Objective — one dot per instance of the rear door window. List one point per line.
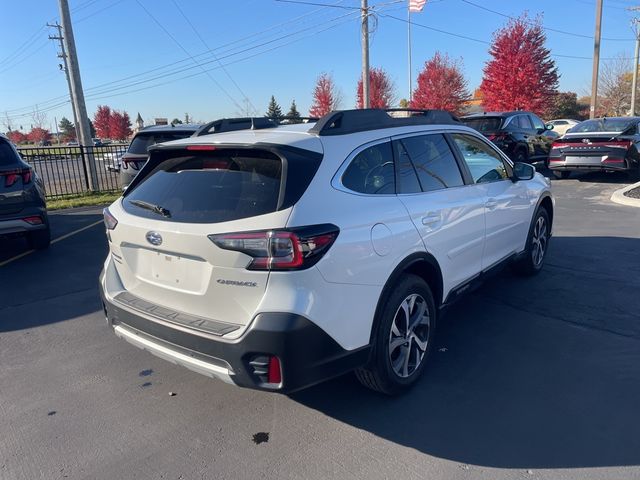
(209, 187)
(537, 123)
(434, 163)
(143, 141)
(372, 171)
(8, 156)
(524, 122)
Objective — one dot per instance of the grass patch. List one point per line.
(84, 200)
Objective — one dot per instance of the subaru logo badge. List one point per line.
(154, 238)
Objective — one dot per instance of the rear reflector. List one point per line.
(274, 371)
(614, 160)
(33, 220)
(201, 147)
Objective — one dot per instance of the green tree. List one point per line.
(67, 129)
(176, 121)
(294, 115)
(274, 110)
(564, 105)
(404, 103)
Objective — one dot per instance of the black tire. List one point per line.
(380, 374)
(531, 263)
(40, 239)
(564, 174)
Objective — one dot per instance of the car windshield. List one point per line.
(604, 125)
(143, 141)
(483, 124)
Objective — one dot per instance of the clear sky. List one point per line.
(146, 56)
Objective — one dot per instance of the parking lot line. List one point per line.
(55, 240)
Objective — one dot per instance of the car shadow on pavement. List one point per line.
(526, 373)
(56, 284)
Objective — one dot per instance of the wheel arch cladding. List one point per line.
(546, 203)
(423, 265)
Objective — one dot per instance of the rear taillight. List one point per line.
(614, 161)
(33, 220)
(291, 249)
(109, 220)
(10, 178)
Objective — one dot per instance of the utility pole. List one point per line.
(65, 68)
(634, 83)
(596, 61)
(77, 94)
(365, 54)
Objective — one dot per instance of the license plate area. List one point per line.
(170, 270)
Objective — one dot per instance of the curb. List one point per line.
(619, 197)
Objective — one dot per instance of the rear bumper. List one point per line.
(15, 223)
(307, 354)
(589, 164)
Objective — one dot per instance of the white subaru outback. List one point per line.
(280, 257)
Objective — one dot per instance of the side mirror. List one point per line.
(522, 171)
(549, 126)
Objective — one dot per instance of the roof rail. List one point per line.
(249, 123)
(343, 122)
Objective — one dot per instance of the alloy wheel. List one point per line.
(409, 335)
(539, 241)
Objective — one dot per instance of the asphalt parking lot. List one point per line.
(533, 378)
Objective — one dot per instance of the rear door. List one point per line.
(165, 256)
(448, 214)
(11, 180)
(541, 144)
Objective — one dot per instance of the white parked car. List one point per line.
(281, 257)
(561, 125)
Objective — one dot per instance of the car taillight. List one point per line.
(109, 220)
(497, 137)
(10, 178)
(134, 164)
(613, 160)
(33, 220)
(291, 249)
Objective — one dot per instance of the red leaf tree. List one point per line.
(521, 75)
(441, 85)
(16, 137)
(37, 135)
(102, 121)
(325, 96)
(381, 90)
(119, 125)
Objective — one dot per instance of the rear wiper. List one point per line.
(150, 206)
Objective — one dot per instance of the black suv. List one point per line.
(23, 209)
(521, 135)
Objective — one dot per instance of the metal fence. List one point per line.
(64, 170)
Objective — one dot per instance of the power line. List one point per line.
(545, 28)
(56, 100)
(249, 102)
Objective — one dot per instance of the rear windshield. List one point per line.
(7, 155)
(209, 187)
(484, 124)
(143, 141)
(604, 125)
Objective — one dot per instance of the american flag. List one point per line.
(416, 5)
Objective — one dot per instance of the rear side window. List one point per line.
(433, 161)
(522, 121)
(484, 124)
(143, 141)
(8, 155)
(371, 171)
(537, 123)
(209, 187)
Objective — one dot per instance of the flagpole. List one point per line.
(409, 47)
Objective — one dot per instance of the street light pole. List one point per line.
(634, 83)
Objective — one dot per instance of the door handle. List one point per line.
(431, 219)
(491, 204)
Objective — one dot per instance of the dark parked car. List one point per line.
(521, 135)
(605, 144)
(23, 209)
(136, 155)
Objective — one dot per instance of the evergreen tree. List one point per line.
(294, 115)
(67, 129)
(274, 110)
